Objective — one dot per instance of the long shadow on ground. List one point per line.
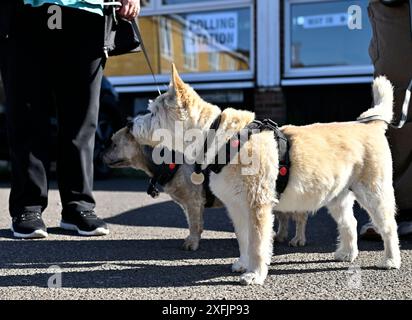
(107, 263)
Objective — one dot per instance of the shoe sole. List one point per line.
(36, 234)
(405, 229)
(72, 227)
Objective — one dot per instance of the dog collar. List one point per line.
(162, 173)
(165, 172)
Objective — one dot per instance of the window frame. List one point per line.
(148, 7)
(156, 9)
(306, 72)
(166, 38)
(190, 60)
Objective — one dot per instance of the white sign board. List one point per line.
(323, 21)
(211, 32)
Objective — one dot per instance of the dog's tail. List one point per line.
(383, 100)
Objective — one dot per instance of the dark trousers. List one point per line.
(391, 53)
(47, 68)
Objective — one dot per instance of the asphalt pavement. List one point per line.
(142, 257)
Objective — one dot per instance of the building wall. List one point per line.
(262, 75)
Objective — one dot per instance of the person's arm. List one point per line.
(130, 9)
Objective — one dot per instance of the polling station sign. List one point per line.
(212, 32)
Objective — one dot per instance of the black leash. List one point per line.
(410, 14)
(139, 35)
(405, 106)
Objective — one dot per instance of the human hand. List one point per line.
(130, 9)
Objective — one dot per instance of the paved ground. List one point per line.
(142, 259)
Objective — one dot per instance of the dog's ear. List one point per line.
(129, 125)
(176, 83)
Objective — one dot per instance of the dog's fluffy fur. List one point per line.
(126, 151)
(331, 165)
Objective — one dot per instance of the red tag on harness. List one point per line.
(235, 143)
(283, 171)
(172, 166)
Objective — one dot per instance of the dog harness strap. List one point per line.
(212, 130)
(232, 148)
(210, 197)
(162, 174)
(283, 151)
(284, 161)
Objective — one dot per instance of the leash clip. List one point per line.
(152, 190)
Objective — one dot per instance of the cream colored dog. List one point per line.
(331, 165)
(126, 151)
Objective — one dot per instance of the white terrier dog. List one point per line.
(330, 165)
(126, 151)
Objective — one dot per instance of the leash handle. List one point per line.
(139, 34)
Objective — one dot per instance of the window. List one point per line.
(206, 39)
(166, 38)
(214, 61)
(190, 49)
(319, 41)
(177, 2)
(230, 62)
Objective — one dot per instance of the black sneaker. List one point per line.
(86, 223)
(29, 225)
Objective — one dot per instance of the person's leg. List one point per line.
(27, 122)
(391, 50)
(79, 57)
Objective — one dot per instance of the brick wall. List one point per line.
(269, 103)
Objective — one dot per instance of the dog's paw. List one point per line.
(346, 256)
(250, 278)
(191, 243)
(297, 242)
(389, 264)
(239, 266)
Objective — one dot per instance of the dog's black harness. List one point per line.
(232, 147)
(164, 173)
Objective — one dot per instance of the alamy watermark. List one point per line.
(216, 147)
(55, 20)
(55, 280)
(354, 277)
(355, 17)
